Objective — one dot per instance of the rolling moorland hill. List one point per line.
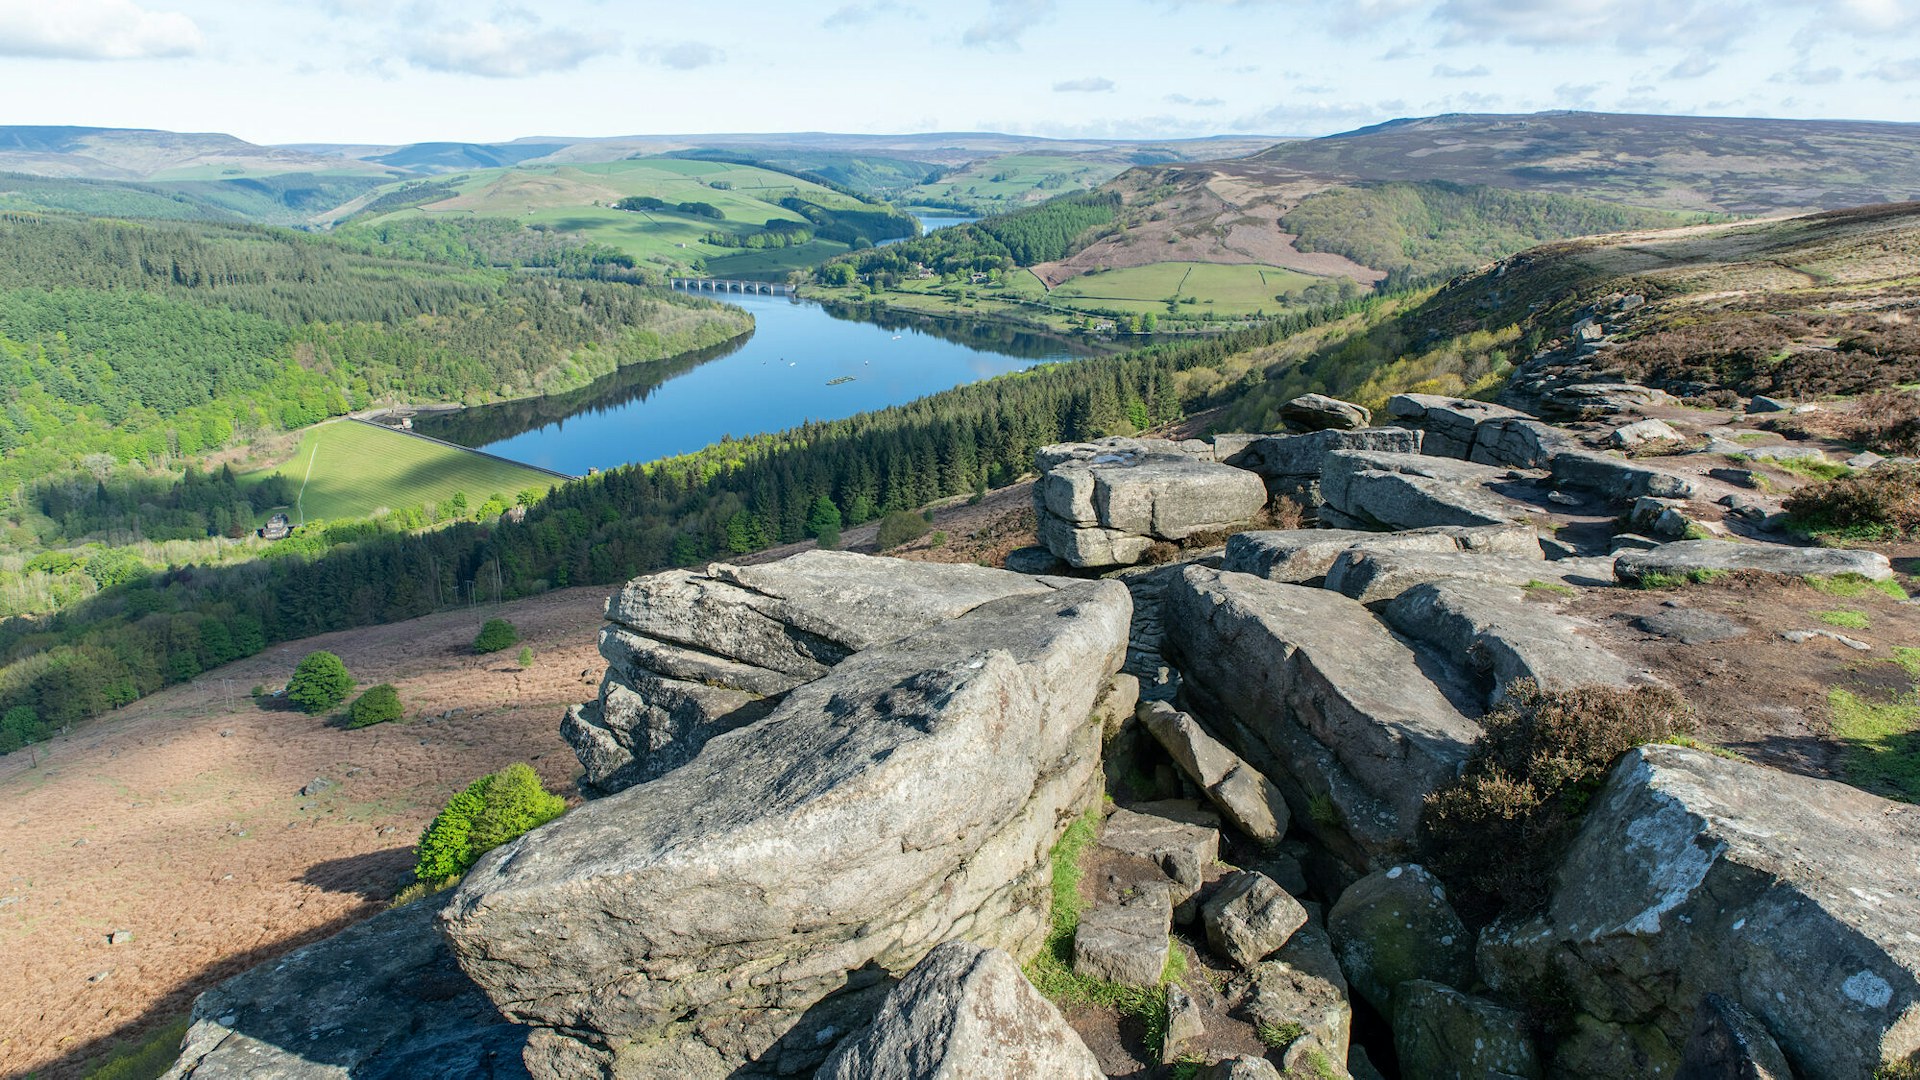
(1418, 196)
(1800, 307)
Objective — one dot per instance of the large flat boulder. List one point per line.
(1127, 496)
(1518, 441)
(1308, 687)
(1506, 638)
(1791, 897)
(1691, 558)
(1318, 412)
(1285, 461)
(692, 654)
(723, 916)
(1373, 576)
(963, 1012)
(1412, 491)
(1302, 555)
(1619, 479)
(381, 1000)
(1451, 424)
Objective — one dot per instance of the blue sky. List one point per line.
(385, 72)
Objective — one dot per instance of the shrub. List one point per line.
(377, 706)
(1496, 833)
(495, 635)
(526, 657)
(320, 681)
(1875, 502)
(899, 527)
(491, 811)
(1888, 421)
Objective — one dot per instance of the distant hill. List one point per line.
(1420, 196)
(1740, 166)
(142, 154)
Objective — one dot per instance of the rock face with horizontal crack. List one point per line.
(1103, 504)
(744, 910)
(691, 654)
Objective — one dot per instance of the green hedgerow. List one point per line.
(320, 681)
(493, 810)
(377, 705)
(495, 634)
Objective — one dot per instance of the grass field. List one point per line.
(579, 198)
(1217, 288)
(352, 470)
(998, 184)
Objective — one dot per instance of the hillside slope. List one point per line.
(1800, 307)
(1420, 196)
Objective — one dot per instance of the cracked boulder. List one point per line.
(1306, 685)
(1789, 897)
(1370, 490)
(1104, 504)
(692, 654)
(731, 916)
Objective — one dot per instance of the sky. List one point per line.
(376, 72)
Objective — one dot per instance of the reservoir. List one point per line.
(802, 362)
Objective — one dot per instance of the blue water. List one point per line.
(777, 379)
(928, 223)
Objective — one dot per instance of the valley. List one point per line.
(1463, 425)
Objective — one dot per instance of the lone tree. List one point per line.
(493, 810)
(495, 635)
(377, 706)
(319, 682)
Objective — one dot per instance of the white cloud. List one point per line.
(94, 30)
(684, 55)
(1804, 74)
(1006, 20)
(499, 51)
(1630, 25)
(1896, 70)
(1091, 85)
(1692, 67)
(1193, 102)
(1448, 71)
(1308, 118)
(1576, 95)
(855, 14)
(1868, 17)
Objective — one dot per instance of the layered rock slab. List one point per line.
(1695, 557)
(1303, 555)
(1411, 491)
(963, 1012)
(1104, 504)
(1792, 897)
(1506, 638)
(1308, 687)
(713, 918)
(691, 654)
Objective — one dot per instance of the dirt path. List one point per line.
(181, 819)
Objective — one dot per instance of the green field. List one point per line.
(1217, 288)
(579, 198)
(996, 185)
(354, 470)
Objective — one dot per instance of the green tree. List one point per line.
(495, 635)
(526, 656)
(320, 681)
(377, 706)
(899, 527)
(823, 522)
(491, 811)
